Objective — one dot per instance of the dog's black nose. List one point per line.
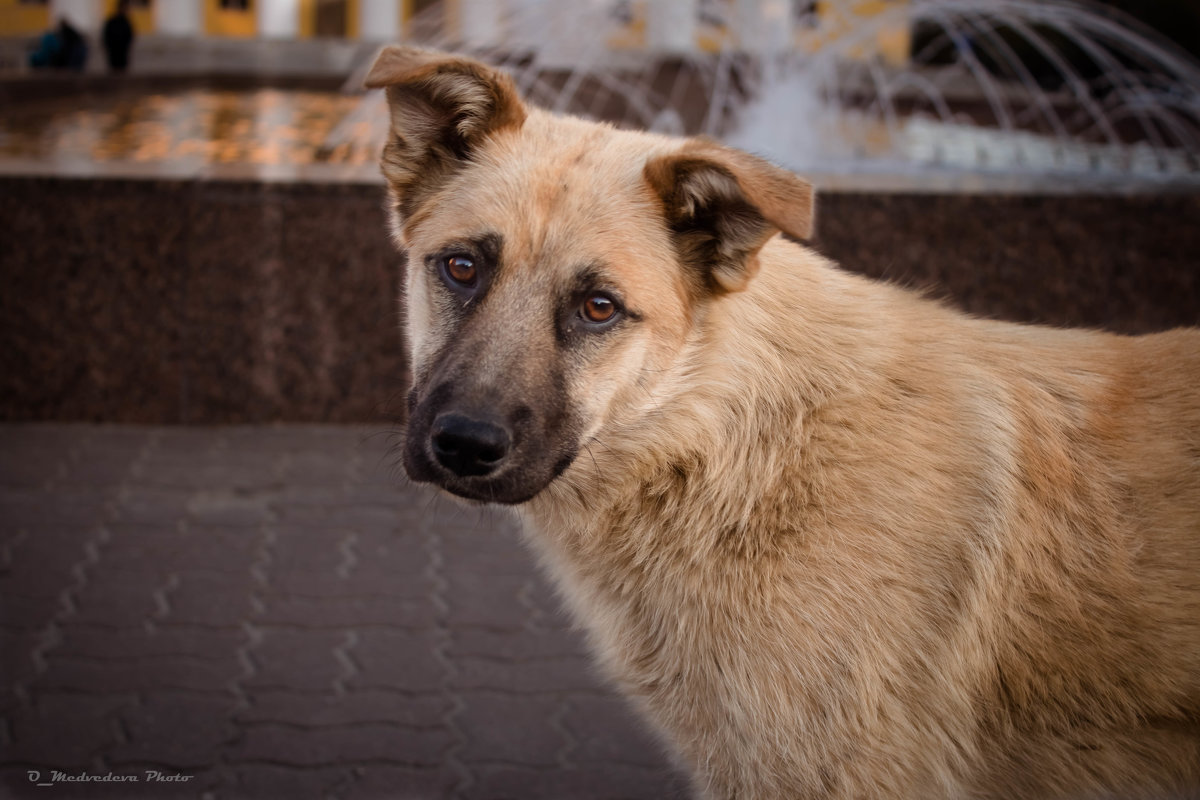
(468, 446)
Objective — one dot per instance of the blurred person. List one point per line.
(118, 38)
(74, 52)
(62, 48)
(47, 52)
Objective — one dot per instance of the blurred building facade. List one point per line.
(664, 26)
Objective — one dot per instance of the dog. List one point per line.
(833, 539)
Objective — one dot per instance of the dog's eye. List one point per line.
(460, 270)
(598, 308)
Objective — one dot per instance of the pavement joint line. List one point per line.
(162, 601)
(350, 669)
(50, 637)
(137, 468)
(6, 549)
(347, 547)
(534, 622)
(558, 719)
(245, 657)
(441, 652)
(347, 780)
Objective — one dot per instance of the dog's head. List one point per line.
(557, 267)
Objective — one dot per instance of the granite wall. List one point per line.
(158, 301)
(164, 301)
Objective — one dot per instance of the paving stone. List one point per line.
(28, 613)
(494, 603)
(180, 731)
(379, 567)
(515, 646)
(36, 577)
(209, 598)
(33, 470)
(144, 506)
(394, 659)
(319, 585)
(334, 517)
(16, 655)
(348, 612)
(386, 491)
(376, 782)
(607, 731)
(341, 744)
(256, 475)
(511, 729)
(485, 550)
(100, 468)
(133, 439)
(353, 707)
(187, 439)
(299, 660)
(64, 731)
(108, 598)
(37, 438)
(60, 507)
(50, 542)
(142, 642)
(308, 550)
(612, 782)
(337, 637)
(271, 782)
(547, 607)
(280, 439)
(572, 674)
(156, 551)
(230, 506)
(319, 469)
(307, 499)
(111, 676)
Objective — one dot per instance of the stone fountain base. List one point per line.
(185, 301)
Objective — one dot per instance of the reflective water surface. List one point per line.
(266, 126)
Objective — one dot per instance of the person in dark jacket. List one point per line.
(118, 37)
(74, 52)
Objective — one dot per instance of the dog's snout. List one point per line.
(467, 446)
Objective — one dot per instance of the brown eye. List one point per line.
(599, 308)
(460, 269)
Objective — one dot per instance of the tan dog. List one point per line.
(833, 539)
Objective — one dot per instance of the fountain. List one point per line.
(1026, 88)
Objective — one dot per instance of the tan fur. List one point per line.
(834, 540)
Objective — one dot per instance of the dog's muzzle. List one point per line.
(481, 445)
(468, 447)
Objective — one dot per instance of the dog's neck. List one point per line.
(682, 459)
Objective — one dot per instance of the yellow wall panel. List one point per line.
(20, 19)
(142, 16)
(220, 21)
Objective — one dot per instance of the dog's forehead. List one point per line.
(561, 191)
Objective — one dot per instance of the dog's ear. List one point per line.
(722, 205)
(442, 107)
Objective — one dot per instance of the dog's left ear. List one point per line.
(442, 108)
(722, 205)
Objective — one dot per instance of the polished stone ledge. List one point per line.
(243, 299)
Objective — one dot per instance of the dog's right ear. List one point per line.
(442, 107)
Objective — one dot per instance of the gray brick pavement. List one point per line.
(268, 612)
